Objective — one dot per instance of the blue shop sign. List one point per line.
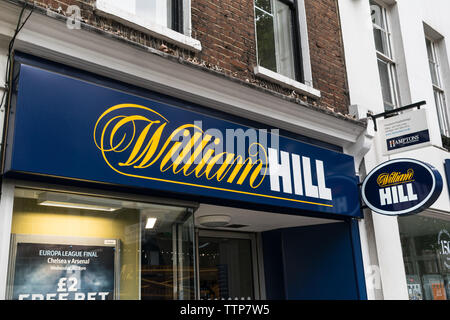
(65, 127)
(401, 187)
(447, 173)
(407, 140)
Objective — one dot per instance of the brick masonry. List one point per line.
(226, 31)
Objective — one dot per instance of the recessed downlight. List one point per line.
(150, 223)
(214, 221)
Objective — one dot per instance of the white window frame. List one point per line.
(438, 89)
(435, 61)
(305, 87)
(183, 40)
(389, 58)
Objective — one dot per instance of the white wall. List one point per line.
(359, 47)
(436, 158)
(381, 237)
(412, 14)
(407, 19)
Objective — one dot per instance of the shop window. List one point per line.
(77, 247)
(385, 55)
(426, 254)
(277, 37)
(438, 88)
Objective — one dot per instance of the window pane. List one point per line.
(167, 256)
(429, 50)
(386, 85)
(426, 254)
(380, 31)
(284, 39)
(169, 18)
(437, 100)
(432, 63)
(100, 248)
(381, 41)
(157, 11)
(127, 5)
(442, 112)
(264, 5)
(154, 11)
(445, 116)
(225, 269)
(376, 11)
(434, 76)
(265, 40)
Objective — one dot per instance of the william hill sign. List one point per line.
(67, 126)
(401, 187)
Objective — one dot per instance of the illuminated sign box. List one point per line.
(401, 187)
(66, 127)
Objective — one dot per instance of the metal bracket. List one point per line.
(392, 112)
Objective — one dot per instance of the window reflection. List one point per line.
(426, 254)
(225, 269)
(275, 36)
(153, 246)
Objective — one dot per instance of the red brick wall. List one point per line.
(226, 31)
(327, 55)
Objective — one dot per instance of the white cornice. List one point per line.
(105, 55)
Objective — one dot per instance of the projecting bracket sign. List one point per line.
(402, 187)
(405, 132)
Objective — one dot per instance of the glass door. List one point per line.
(227, 266)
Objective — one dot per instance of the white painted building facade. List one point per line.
(397, 54)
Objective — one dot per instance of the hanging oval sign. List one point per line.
(401, 187)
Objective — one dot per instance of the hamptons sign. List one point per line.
(143, 140)
(401, 187)
(405, 132)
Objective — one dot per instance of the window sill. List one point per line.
(103, 8)
(286, 82)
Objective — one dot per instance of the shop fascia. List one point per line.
(191, 151)
(137, 141)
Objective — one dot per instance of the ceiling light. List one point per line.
(150, 223)
(203, 245)
(75, 202)
(214, 221)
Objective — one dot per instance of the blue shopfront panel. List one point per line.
(447, 173)
(65, 127)
(321, 262)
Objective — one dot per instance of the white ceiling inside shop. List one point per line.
(257, 221)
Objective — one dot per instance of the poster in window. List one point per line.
(45, 271)
(414, 287)
(434, 287)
